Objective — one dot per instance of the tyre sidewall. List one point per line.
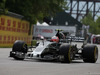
(89, 52)
(65, 52)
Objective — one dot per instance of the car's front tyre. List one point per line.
(65, 53)
(19, 50)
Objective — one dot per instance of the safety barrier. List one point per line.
(12, 29)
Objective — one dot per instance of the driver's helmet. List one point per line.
(55, 39)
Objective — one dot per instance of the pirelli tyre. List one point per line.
(19, 49)
(90, 53)
(65, 53)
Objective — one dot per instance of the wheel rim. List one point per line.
(96, 53)
(70, 55)
(25, 48)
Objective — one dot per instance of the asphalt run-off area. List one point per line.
(9, 66)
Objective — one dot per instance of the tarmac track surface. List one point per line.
(9, 66)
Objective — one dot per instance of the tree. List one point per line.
(98, 24)
(2, 7)
(88, 20)
(36, 10)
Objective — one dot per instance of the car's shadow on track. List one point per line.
(54, 61)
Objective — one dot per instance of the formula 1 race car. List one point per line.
(55, 49)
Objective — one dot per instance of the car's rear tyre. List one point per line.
(20, 49)
(90, 53)
(65, 53)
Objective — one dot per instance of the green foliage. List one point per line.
(98, 24)
(2, 7)
(94, 25)
(33, 10)
(36, 10)
(33, 42)
(88, 19)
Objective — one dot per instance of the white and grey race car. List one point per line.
(61, 51)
